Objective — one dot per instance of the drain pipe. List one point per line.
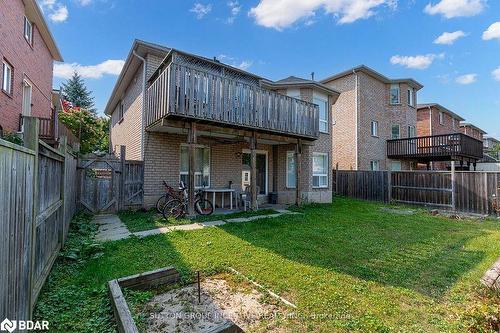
(143, 116)
(356, 162)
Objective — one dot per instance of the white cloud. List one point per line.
(108, 67)
(493, 32)
(201, 10)
(456, 8)
(283, 13)
(416, 62)
(235, 9)
(466, 79)
(55, 11)
(496, 74)
(448, 38)
(84, 2)
(245, 65)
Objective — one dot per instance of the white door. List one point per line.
(27, 90)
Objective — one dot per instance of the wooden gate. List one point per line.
(109, 183)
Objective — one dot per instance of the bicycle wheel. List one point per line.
(160, 204)
(203, 206)
(174, 208)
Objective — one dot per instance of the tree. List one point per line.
(92, 131)
(75, 91)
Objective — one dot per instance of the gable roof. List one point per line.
(297, 82)
(464, 124)
(440, 108)
(369, 71)
(34, 14)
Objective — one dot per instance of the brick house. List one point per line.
(371, 109)
(27, 53)
(472, 130)
(210, 124)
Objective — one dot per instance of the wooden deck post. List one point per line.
(30, 139)
(253, 167)
(191, 156)
(298, 171)
(453, 185)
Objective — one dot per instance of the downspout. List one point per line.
(356, 119)
(143, 116)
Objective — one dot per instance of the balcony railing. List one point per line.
(51, 129)
(436, 147)
(188, 92)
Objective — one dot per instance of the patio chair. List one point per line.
(246, 198)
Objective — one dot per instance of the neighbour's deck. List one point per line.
(457, 146)
(187, 91)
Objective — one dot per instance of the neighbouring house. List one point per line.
(472, 130)
(371, 109)
(489, 145)
(209, 124)
(27, 54)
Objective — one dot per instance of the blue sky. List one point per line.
(275, 39)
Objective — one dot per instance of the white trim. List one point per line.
(27, 112)
(287, 185)
(324, 100)
(375, 135)
(395, 85)
(321, 174)
(28, 37)
(356, 157)
(6, 83)
(262, 152)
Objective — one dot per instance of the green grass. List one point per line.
(145, 220)
(348, 266)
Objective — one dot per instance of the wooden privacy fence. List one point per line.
(109, 184)
(37, 202)
(464, 191)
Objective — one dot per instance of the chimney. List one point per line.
(312, 76)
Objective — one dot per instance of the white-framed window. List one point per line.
(374, 166)
(201, 166)
(27, 94)
(395, 132)
(374, 128)
(395, 93)
(320, 170)
(323, 114)
(441, 118)
(291, 169)
(411, 97)
(28, 30)
(411, 132)
(396, 166)
(7, 77)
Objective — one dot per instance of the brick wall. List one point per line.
(472, 132)
(127, 131)
(31, 62)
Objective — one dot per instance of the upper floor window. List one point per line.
(441, 118)
(323, 114)
(411, 132)
(411, 97)
(7, 77)
(454, 124)
(28, 30)
(395, 132)
(374, 128)
(121, 111)
(395, 94)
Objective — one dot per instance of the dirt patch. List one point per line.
(223, 299)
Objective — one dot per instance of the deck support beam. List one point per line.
(191, 154)
(253, 172)
(298, 171)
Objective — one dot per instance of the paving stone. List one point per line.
(212, 223)
(110, 228)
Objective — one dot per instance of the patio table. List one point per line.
(222, 191)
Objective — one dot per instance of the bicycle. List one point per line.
(169, 194)
(177, 207)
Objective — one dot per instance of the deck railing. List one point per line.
(189, 92)
(51, 129)
(447, 146)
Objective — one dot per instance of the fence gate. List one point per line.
(109, 183)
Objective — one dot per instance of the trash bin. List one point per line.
(273, 198)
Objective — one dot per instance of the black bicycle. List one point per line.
(169, 194)
(178, 208)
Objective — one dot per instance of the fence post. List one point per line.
(30, 139)
(389, 186)
(121, 195)
(63, 147)
(453, 185)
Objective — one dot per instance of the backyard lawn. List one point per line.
(348, 266)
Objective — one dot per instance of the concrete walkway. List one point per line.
(112, 228)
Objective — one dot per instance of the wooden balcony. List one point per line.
(457, 146)
(51, 129)
(183, 91)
